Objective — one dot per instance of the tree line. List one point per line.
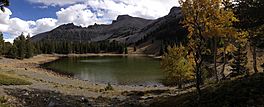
(23, 47)
(20, 49)
(68, 47)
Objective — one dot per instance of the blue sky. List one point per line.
(38, 16)
(31, 11)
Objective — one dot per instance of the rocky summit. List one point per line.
(125, 29)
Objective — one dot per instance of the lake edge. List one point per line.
(70, 75)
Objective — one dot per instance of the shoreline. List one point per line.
(44, 79)
(69, 75)
(47, 82)
(107, 54)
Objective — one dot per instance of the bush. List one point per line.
(109, 87)
(176, 66)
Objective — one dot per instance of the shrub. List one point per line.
(176, 66)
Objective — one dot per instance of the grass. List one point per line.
(12, 80)
(244, 91)
(3, 102)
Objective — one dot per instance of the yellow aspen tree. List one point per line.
(177, 66)
(205, 19)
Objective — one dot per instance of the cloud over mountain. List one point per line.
(83, 13)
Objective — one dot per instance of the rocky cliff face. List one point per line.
(124, 25)
(126, 29)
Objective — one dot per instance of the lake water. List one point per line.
(121, 70)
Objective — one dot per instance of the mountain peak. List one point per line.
(123, 17)
(68, 26)
(175, 10)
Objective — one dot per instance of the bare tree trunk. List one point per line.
(198, 80)
(198, 65)
(253, 51)
(254, 58)
(197, 60)
(224, 64)
(215, 55)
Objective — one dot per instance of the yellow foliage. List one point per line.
(208, 17)
(229, 48)
(176, 65)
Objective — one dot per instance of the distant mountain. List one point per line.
(123, 26)
(125, 29)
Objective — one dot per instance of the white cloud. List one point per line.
(77, 14)
(150, 9)
(44, 25)
(84, 13)
(56, 2)
(4, 19)
(16, 26)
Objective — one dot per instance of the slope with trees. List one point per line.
(251, 16)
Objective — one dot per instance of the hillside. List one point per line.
(125, 29)
(244, 91)
(124, 25)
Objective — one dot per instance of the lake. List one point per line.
(120, 70)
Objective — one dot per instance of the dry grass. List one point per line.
(12, 80)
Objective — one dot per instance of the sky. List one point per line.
(37, 16)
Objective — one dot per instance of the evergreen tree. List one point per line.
(240, 61)
(161, 50)
(135, 48)
(29, 48)
(7, 47)
(2, 44)
(12, 53)
(20, 45)
(251, 16)
(126, 51)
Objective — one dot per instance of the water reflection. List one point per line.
(115, 70)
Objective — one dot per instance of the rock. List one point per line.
(147, 97)
(101, 90)
(262, 65)
(26, 93)
(51, 104)
(84, 100)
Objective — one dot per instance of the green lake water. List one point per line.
(121, 70)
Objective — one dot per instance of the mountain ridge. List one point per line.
(125, 29)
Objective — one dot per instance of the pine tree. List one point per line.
(12, 53)
(29, 48)
(20, 45)
(135, 49)
(239, 62)
(251, 16)
(2, 44)
(7, 47)
(125, 49)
